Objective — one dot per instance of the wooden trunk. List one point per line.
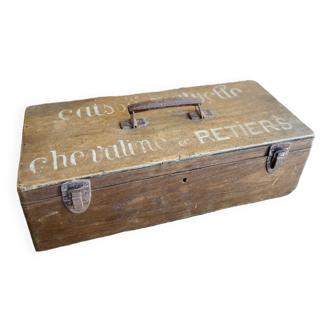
(172, 168)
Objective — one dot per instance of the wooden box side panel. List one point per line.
(161, 199)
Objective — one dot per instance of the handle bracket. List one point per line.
(163, 103)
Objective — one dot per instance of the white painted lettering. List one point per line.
(55, 160)
(206, 95)
(241, 127)
(73, 159)
(233, 130)
(131, 148)
(96, 110)
(266, 125)
(94, 155)
(157, 144)
(249, 125)
(108, 108)
(216, 135)
(127, 149)
(33, 164)
(184, 142)
(233, 91)
(61, 116)
(142, 145)
(123, 147)
(200, 134)
(282, 122)
(116, 152)
(101, 152)
(95, 107)
(221, 89)
(119, 107)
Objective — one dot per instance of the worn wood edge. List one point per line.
(179, 159)
(21, 149)
(150, 171)
(239, 149)
(30, 228)
(22, 189)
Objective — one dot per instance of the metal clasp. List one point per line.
(76, 195)
(277, 155)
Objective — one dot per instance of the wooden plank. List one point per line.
(64, 141)
(148, 202)
(158, 170)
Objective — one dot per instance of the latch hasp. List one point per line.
(76, 195)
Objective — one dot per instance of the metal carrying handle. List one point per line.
(159, 104)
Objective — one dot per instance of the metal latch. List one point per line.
(76, 195)
(277, 155)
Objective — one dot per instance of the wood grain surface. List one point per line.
(162, 169)
(83, 139)
(121, 207)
